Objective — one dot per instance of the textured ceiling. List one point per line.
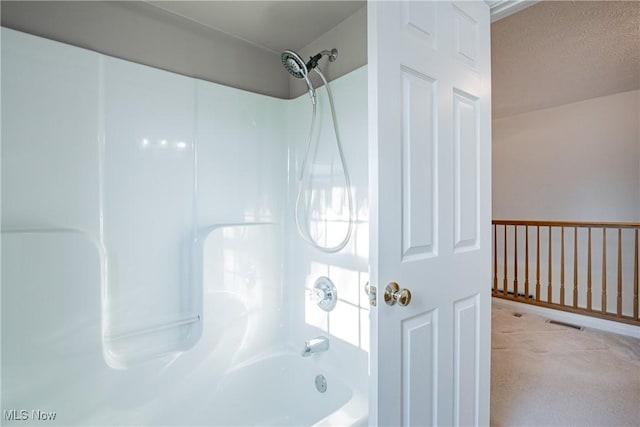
(272, 25)
(558, 52)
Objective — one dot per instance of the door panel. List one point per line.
(429, 129)
(419, 369)
(466, 37)
(420, 19)
(466, 375)
(466, 142)
(418, 164)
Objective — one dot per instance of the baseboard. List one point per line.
(576, 319)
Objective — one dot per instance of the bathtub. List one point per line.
(274, 390)
(228, 378)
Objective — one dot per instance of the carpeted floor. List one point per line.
(550, 375)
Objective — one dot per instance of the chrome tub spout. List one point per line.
(315, 345)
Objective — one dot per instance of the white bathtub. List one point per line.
(214, 383)
(276, 390)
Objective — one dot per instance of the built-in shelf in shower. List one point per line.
(152, 329)
(127, 349)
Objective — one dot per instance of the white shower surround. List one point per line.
(76, 125)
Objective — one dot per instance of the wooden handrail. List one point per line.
(588, 254)
(580, 224)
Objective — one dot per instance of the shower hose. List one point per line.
(305, 232)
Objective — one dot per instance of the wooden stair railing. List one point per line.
(585, 294)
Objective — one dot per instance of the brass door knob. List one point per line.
(393, 294)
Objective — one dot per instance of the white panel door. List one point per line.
(429, 122)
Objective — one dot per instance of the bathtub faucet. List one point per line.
(315, 345)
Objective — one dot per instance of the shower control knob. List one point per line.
(393, 294)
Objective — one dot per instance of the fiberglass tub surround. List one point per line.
(171, 285)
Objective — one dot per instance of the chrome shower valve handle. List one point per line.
(324, 293)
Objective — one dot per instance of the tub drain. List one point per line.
(321, 383)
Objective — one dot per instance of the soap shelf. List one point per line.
(153, 329)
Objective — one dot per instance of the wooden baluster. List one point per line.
(619, 305)
(604, 271)
(575, 267)
(526, 262)
(515, 261)
(564, 302)
(561, 265)
(589, 271)
(550, 286)
(635, 279)
(538, 263)
(504, 281)
(495, 258)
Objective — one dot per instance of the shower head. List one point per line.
(295, 65)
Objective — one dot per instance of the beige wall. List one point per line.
(145, 34)
(578, 161)
(350, 38)
(141, 33)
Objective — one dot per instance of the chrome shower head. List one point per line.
(294, 64)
